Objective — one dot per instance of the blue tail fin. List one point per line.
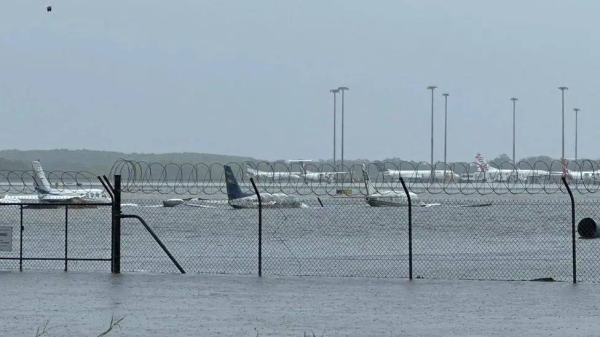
(233, 189)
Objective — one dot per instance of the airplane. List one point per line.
(46, 193)
(273, 175)
(576, 175)
(386, 198)
(423, 175)
(237, 199)
(487, 172)
(328, 177)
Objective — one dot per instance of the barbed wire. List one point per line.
(21, 181)
(322, 179)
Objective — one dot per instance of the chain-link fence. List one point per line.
(520, 239)
(329, 237)
(452, 239)
(204, 237)
(55, 236)
(588, 242)
(503, 240)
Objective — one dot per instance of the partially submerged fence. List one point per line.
(336, 236)
(55, 236)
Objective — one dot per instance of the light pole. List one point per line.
(576, 113)
(342, 89)
(334, 91)
(432, 88)
(562, 158)
(514, 100)
(445, 130)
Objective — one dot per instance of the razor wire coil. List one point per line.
(324, 179)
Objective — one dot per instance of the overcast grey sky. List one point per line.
(253, 77)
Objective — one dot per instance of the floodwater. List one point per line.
(516, 238)
(82, 304)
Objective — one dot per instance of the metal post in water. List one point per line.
(66, 234)
(410, 259)
(21, 241)
(259, 227)
(564, 180)
(116, 227)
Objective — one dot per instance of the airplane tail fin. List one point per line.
(482, 165)
(565, 170)
(233, 189)
(40, 182)
(368, 185)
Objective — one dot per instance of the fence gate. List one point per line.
(36, 236)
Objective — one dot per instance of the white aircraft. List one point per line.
(263, 175)
(48, 194)
(328, 177)
(576, 175)
(488, 172)
(238, 199)
(422, 175)
(386, 198)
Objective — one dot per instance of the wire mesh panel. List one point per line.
(340, 237)
(43, 238)
(588, 240)
(203, 236)
(10, 220)
(503, 240)
(63, 237)
(89, 237)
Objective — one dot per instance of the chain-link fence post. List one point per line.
(572, 229)
(66, 236)
(410, 273)
(116, 227)
(21, 229)
(259, 227)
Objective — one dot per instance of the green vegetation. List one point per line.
(100, 162)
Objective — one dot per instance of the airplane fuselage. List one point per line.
(390, 199)
(276, 200)
(422, 174)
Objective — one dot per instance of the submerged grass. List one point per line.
(111, 325)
